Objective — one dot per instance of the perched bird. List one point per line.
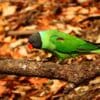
(61, 44)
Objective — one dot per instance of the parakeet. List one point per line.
(61, 44)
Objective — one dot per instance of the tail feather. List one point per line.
(96, 44)
(98, 48)
(96, 51)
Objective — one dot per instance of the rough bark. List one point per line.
(75, 72)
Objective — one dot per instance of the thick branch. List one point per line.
(75, 72)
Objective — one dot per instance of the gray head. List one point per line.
(35, 40)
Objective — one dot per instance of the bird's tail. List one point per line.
(96, 50)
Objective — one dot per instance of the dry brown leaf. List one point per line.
(56, 86)
(42, 1)
(60, 26)
(10, 10)
(1, 37)
(95, 81)
(39, 98)
(22, 51)
(2, 90)
(90, 56)
(38, 82)
(79, 18)
(71, 29)
(1, 29)
(70, 12)
(83, 11)
(8, 39)
(84, 3)
(2, 82)
(4, 50)
(93, 10)
(81, 90)
(98, 39)
(30, 27)
(21, 89)
(18, 43)
(15, 54)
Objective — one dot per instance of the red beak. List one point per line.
(30, 46)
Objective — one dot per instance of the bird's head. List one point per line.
(35, 40)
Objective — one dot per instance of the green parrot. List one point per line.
(61, 44)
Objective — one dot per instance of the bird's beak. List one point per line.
(30, 46)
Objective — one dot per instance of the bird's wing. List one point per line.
(70, 44)
(62, 43)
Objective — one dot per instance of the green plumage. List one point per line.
(65, 45)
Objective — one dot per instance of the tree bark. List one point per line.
(75, 72)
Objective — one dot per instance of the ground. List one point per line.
(19, 19)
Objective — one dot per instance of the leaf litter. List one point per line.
(79, 17)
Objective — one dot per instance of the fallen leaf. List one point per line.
(31, 27)
(39, 98)
(8, 39)
(56, 86)
(22, 51)
(83, 11)
(10, 10)
(5, 50)
(38, 82)
(73, 29)
(18, 43)
(1, 29)
(2, 90)
(95, 81)
(93, 10)
(21, 89)
(90, 56)
(98, 39)
(81, 90)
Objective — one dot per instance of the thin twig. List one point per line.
(18, 33)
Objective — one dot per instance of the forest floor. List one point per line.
(20, 18)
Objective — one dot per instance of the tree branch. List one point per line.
(19, 33)
(75, 72)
